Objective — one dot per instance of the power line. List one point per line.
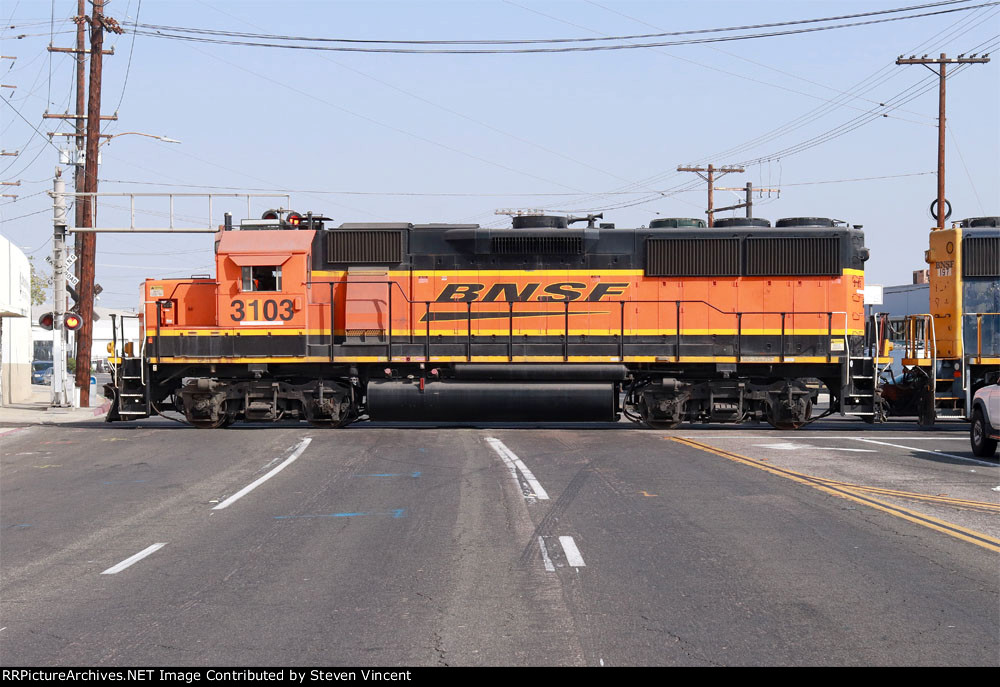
(193, 37)
(432, 194)
(531, 41)
(827, 136)
(782, 130)
(30, 214)
(128, 66)
(314, 97)
(28, 123)
(744, 59)
(845, 181)
(450, 110)
(821, 110)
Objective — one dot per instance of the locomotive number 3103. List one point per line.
(271, 309)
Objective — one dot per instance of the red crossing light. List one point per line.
(72, 322)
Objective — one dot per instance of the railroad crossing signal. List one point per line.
(71, 321)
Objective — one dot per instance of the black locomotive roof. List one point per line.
(441, 246)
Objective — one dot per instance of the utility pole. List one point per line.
(711, 170)
(81, 99)
(942, 61)
(88, 252)
(748, 203)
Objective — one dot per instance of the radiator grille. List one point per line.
(981, 256)
(365, 246)
(537, 245)
(793, 256)
(692, 257)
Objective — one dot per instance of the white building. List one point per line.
(15, 327)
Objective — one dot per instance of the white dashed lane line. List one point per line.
(570, 552)
(298, 449)
(131, 560)
(573, 556)
(924, 450)
(513, 463)
(545, 556)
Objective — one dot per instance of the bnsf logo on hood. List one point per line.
(555, 292)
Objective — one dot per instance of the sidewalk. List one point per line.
(37, 411)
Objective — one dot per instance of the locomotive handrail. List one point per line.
(979, 328)
(681, 301)
(181, 282)
(678, 308)
(929, 348)
(678, 303)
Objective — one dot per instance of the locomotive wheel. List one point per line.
(327, 423)
(223, 421)
(331, 424)
(785, 423)
(926, 412)
(659, 424)
(878, 413)
(656, 424)
(209, 424)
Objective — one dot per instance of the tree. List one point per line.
(39, 284)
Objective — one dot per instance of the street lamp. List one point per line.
(139, 133)
(75, 156)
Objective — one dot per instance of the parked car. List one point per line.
(985, 430)
(41, 372)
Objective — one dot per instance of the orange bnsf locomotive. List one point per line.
(550, 319)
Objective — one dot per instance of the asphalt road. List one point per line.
(549, 545)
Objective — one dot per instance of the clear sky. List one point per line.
(367, 137)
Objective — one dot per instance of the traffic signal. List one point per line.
(270, 214)
(72, 321)
(293, 219)
(47, 321)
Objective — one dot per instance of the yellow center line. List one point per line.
(946, 500)
(856, 493)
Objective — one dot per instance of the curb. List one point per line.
(95, 412)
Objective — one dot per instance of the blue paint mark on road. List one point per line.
(397, 513)
(17, 527)
(134, 481)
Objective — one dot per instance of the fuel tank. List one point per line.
(469, 401)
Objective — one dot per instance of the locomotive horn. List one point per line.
(589, 219)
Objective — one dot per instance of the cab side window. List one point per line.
(262, 278)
